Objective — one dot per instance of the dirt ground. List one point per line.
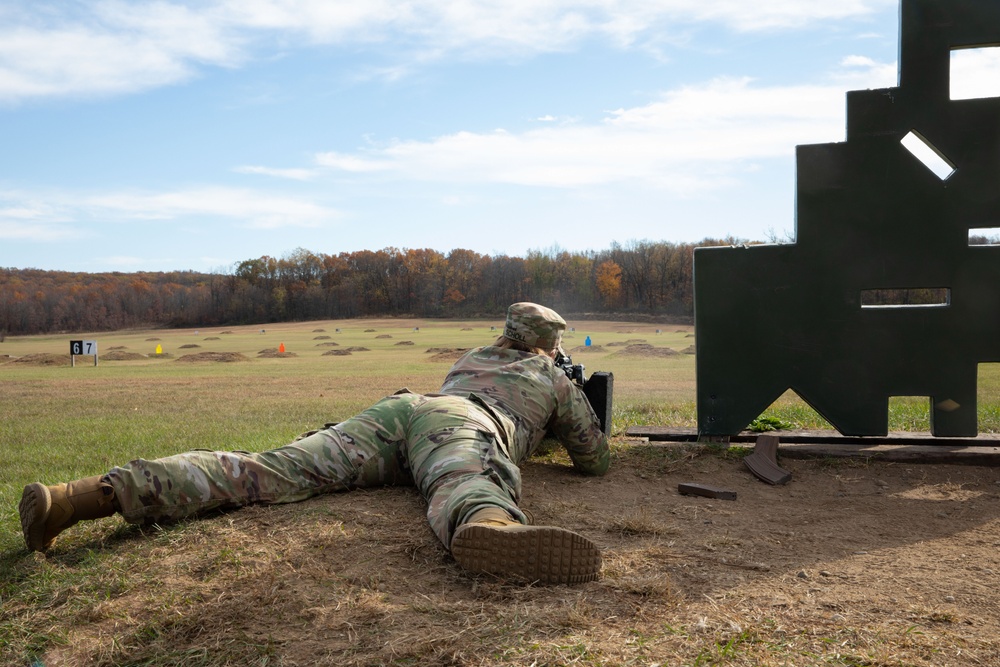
(853, 562)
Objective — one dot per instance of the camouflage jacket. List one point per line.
(532, 396)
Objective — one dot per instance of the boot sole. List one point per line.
(546, 554)
(36, 502)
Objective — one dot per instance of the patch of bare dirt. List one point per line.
(153, 338)
(467, 329)
(448, 354)
(319, 330)
(44, 359)
(330, 344)
(221, 357)
(118, 347)
(120, 355)
(382, 336)
(322, 338)
(188, 346)
(369, 330)
(646, 350)
(851, 563)
(275, 353)
(405, 342)
(213, 338)
(690, 349)
(586, 348)
(633, 341)
(337, 353)
(357, 348)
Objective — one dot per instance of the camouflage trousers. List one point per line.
(449, 446)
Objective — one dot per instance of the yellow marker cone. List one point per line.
(159, 349)
(281, 348)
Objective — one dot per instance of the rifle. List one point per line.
(598, 388)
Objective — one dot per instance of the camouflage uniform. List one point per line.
(461, 447)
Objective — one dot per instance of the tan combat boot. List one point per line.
(491, 541)
(46, 511)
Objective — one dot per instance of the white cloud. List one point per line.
(534, 25)
(250, 208)
(692, 138)
(56, 48)
(114, 48)
(862, 72)
(36, 231)
(291, 174)
(27, 217)
(857, 61)
(24, 216)
(352, 163)
(747, 16)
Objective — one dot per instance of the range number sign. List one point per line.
(82, 347)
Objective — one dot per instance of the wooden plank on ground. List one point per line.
(706, 490)
(883, 449)
(674, 434)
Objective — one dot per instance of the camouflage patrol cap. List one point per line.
(534, 325)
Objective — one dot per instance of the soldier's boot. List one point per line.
(46, 511)
(491, 541)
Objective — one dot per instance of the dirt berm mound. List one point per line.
(46, 359)
(646, 350)
(224, 357)
(587, 348)
(275, 353)
(119, 355)
(446, 354)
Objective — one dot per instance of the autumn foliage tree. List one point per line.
(608, 278)
(641, 277)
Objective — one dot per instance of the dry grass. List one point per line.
(358, 579)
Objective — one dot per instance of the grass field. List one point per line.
(63, 422)
(60, 422)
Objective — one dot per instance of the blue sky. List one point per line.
(162, 136)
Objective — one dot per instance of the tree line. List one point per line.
(647, 277)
